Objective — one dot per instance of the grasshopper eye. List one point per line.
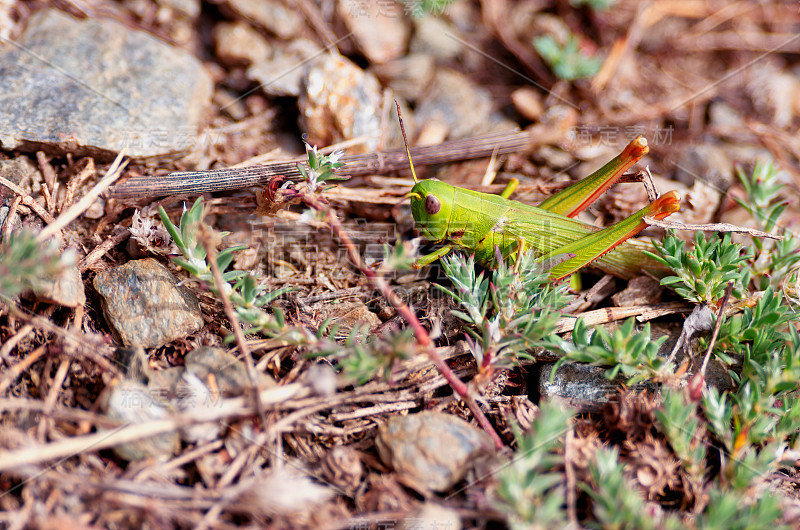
(432, 205)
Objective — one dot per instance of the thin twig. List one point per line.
(234, 407)
(698, 381)
(717, 326)
(28, 201)
(211, 252)
(711, 227)
(72, 213)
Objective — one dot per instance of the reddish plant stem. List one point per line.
(380, 284)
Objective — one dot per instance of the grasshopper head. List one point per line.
(432, 206)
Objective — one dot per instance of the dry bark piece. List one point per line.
(145, 305)
(430, 451)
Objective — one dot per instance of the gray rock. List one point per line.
(432, 515)
(430, 451)
(22, 172)
(379, 28)
(340, 102)
(408, 76)
(345, 314)
(131, 403)
(238, 43)
(66, 289)
(721, 114)
(272, 15)
(437, 37)
(582, 385)
(464, 107)
(640, 290)
(230, 373)
(92, 86)
(144, 304)
(283, 74)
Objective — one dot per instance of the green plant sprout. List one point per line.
(566, 59)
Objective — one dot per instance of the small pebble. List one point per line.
(432, 516)
(131, 403)
(463, 106)
(640, 291)
(379, 28)
(340, 102)
(272, 15)
(528, 102)
(283, 74)
(407, 76)
(430, 450)
(66, 289)
(237, 43)
(144, 304)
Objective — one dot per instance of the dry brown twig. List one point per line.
(206, 238)
(231, 408)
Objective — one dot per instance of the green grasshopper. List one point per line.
(491, 225)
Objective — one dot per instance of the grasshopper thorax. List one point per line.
(432, 207)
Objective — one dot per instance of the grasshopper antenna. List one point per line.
(405, 141)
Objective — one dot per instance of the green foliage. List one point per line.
(530, 489)
(567, 60)
(762, 188)
(755, 337)
(187, 240)
(25, 262)
(420, 8)
(773, 260)
(617, 503)
(510, 314)
(361, 355)
(597, 5)
(401, 256)
(246, 294)
(634, 355)
(703, 273)
(681, 425)
(739, 510)
(320, 168)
